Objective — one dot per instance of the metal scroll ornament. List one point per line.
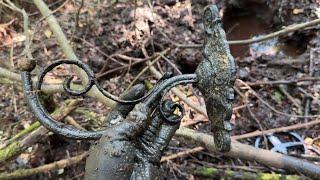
(214, 77)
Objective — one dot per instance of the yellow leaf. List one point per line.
(47, 33)
(308, 141)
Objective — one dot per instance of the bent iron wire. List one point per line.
(32, 95)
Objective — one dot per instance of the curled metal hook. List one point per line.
(163, 86)
(167, 110)
(67, 81)
(46, 120)
(91, 81)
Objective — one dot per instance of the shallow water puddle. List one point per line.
(249, 26)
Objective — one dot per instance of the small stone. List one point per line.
(26, 64)
(244, 73)
(115, 119)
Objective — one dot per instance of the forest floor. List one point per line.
(108, 36)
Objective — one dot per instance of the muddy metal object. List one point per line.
(293, 142)
(216, 76)
(132, 149)
(118, 155)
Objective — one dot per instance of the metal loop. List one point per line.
(67, 81)
(163, 86)
(167, 111)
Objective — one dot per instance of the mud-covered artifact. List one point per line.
(146, 123)
(132, 149)
(216, 76)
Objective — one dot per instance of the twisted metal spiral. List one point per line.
(160, 89)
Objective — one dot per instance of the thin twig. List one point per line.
(73, 122)
(246, 99)
(149, 64)
(272, 83)
(78, 14)
(99, 50)
(181, 154)
(285, 92)
(280, 129)
(53, 12)
(271, 107)
(171, 63)
(23, 173)
(127, 58)
(285, 30)
(100, 75)
(67, 49)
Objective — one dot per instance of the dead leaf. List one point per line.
(308, 141)
(47, 33)
(317, 142)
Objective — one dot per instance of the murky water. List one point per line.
(250, 26)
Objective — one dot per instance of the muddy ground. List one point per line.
(111, 27)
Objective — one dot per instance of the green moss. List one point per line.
(267, 176)
(31, 128)
(9, 151)
(148, 84)
(230, 174)
(206, 171)
(89, 115)
(293, 177)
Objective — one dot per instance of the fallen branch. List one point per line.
(146, 68)
(181, 154)
(45, 88)
(16, 147)
(281, 129)
(246, 152)
(9, 74)
(67, 49)
(294, 81)
(243, 136)
(284, 31)
(29, 129)
(23, 173)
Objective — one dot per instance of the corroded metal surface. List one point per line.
(216, 75)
